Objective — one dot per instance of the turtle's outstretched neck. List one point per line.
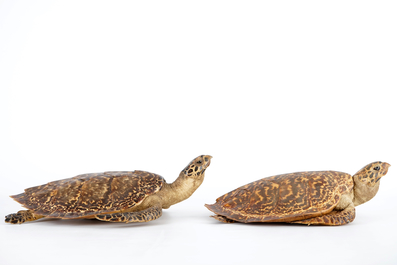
(181, 189)
(363, 192)
(186, 184)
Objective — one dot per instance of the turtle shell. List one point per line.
(90, 194)
(284, 198)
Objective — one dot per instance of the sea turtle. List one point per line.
(118, 196)
(313, 198)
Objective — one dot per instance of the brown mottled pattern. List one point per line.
(21, 217)
(369, 175)
(146, 215)
(91, 194)
(284, 197)
(333, 218)
(345, 181)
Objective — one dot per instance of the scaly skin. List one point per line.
(22, 216)
(146, 215)
(333, 218)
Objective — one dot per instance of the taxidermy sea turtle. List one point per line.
(119, 196)
(316, 197)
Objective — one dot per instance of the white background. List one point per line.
(265, 87)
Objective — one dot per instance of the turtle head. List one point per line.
(372, 173)
(197, 167)
(367, 180)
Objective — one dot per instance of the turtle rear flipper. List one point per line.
(222, 219)
(146, 215)
(22, 217)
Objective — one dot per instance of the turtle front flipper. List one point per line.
(146, 215)
(22, 217)
(333, 218)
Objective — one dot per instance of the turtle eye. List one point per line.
(376, 168)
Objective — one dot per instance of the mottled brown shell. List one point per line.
(284, 198)
(91, 194)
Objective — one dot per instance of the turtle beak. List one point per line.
(207, 160)
(385, 167)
